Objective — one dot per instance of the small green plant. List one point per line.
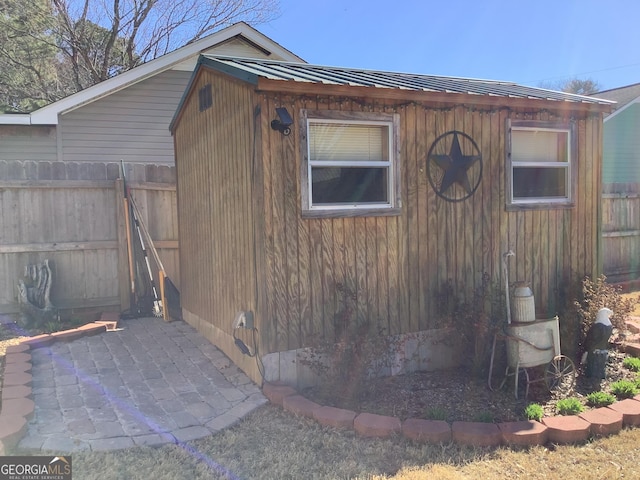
(436, 413)
(600, 399)
(483, 417)
(534, 411)
(632, 363)
(569, 406)
(624, 389)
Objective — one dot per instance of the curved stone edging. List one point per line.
(17, 405)
(597, 422)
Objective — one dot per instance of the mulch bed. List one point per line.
(456, 394)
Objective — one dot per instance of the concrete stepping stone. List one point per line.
(428, 431)
(630, 410)
(604, 421)
(15, 379)
(567, 429)
(39, 341)
(276, 392)
(334, 417)
(18, 407)
(476, 434)
(18, 391)
(19, 367)
(20, 348)
(17, 358)
(12, 429)
(372, 425)
(299, 405)
(524, 433)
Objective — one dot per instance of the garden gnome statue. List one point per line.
(596, 345)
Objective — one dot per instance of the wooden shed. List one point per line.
(306, 191)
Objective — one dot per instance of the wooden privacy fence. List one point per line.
(77, 222)
(621, 232)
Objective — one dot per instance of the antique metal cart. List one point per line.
(533, 347)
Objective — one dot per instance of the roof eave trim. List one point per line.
(48, 115)
(15, 119)
(297, 88)
(635, 101)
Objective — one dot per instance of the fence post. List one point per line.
(123, 259)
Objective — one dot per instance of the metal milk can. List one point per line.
(523, 304)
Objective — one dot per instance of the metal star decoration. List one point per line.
(454, 167)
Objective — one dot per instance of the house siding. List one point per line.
(621, 146)
(133, 124)
(27, 143)
(130, 125)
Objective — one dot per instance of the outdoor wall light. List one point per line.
(284, 121)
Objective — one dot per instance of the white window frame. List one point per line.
(569, 165)
(393, 204)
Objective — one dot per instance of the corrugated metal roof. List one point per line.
(253, 69)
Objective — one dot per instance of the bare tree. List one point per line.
(94, 40)
(587, 86)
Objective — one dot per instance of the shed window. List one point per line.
(541, 160)
(350, 164)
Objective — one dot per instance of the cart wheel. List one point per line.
(560, 375)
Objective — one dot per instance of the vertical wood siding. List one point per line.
(394, 265)
(214, 151)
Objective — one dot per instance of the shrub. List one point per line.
(579, 305)
(358, 351)
(599, 294)
(436, 413)
(624, 389)
(632, 363)
(569, 406)
(600, 399)
(474, 319)
(483, 417)
(533, 411)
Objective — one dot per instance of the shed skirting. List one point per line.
(420, 351)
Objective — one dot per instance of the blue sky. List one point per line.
(527, 42)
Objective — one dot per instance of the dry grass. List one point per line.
(272, 444)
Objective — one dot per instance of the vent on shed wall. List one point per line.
(205, 97)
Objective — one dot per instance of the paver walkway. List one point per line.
(147, 383)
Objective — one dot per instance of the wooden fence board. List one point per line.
(621, 232)
(79, 226)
